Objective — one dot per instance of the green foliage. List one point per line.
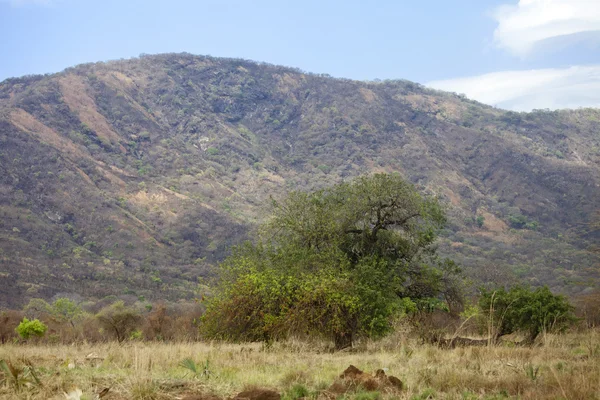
(196, 369)
(337, 263)
(62, 309)
(37, 308)
(66, 309)
(424, 395)
(298, 391)
(28, 329)
(480, 220)
(370, 395)
(520, 221)
(144, 135)
(532, 372)
(521, 309)
(136, 335)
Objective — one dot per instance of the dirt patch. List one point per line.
(124, 84)
(250, 394)
(492, 223)
(368, 95)
(121, 171)
(75, 95)
(144, 198)
(178, 195)
(27, 123)
(454, 198)
(115, 180)
(258, 394)
(421, 102)
(497, 236)
(201, 397)
(288, 83)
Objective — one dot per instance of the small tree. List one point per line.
(66, 310)
(28, 329)
(119, 319)
(159, 325)
(37, 308)
(588, 308)
(521, 309)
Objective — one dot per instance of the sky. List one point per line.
(514, 54)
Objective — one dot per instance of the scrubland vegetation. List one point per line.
(125, 186)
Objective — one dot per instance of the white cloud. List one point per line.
(573, 87)
(522, 26)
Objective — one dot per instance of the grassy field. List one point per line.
(564, 367)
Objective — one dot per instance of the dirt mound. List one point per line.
(353, 379)
(202, 397)
(258, 394)
(251, 394)
(459, 342)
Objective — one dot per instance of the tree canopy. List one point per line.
(339, 262)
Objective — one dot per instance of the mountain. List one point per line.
(136, 176)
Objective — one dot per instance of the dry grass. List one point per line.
(74, 92)
(566, 367)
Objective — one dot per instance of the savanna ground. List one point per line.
(563, 367)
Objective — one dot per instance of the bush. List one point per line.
(8, 319)
(119, 319)
(525, 310)
(28, 329)
(520, 221)
(480, 220)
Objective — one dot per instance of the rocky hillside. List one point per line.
(136, 176)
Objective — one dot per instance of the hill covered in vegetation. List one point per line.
(136, 176)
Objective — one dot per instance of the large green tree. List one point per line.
(338, 262)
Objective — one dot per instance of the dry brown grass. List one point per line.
(566, 367)
(75, 94)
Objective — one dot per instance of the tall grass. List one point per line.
(566, 366)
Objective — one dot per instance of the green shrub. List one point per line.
(28, 329)
(520, 221)
(521, 309)
(367, 396)
(480, 220)
(298, 391)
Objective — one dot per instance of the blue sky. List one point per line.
(514, 54)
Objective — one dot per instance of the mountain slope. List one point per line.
(136, 176)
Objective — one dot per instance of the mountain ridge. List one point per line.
(136, 176)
